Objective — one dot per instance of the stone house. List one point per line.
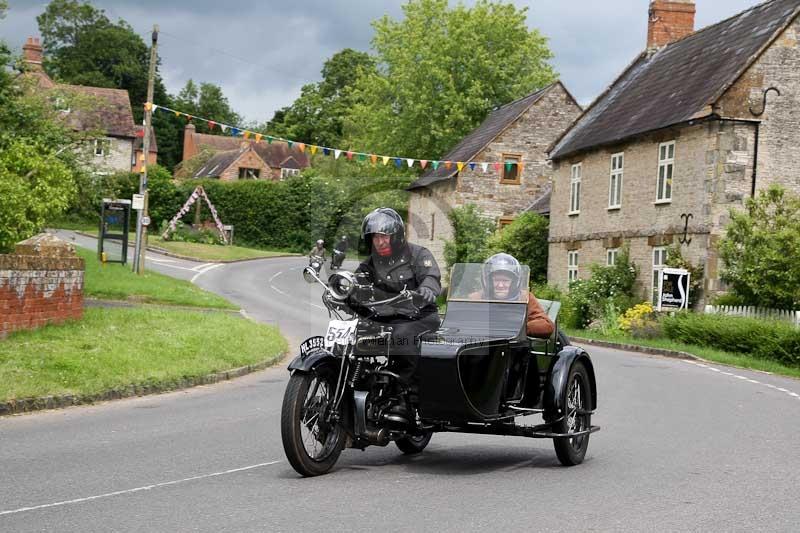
(518, 132)
(696, 124)
(100, 110)
(236, 158)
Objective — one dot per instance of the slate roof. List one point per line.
(107, 110)
(218, 163)
(471, 145)
(680, 81)
(273, 154)
(542, 204)
(138, 142)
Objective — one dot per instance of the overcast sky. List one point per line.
(262, 51)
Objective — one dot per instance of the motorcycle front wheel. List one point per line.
(311, 439)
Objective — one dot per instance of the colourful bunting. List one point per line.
(361, 156)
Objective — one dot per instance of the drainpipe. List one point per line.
(755, 161)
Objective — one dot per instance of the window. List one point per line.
(615, 183)
(510, 172)
(666, 168)
(575, 190)
(249, 173)
(286, 172)
(611, 256)
(504, 221)
(102, 147)
(659, 262)
(572, 266)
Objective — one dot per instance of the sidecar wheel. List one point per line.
(412, 445)
(578, 394)
(311, 445)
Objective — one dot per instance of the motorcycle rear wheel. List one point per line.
(311, 444)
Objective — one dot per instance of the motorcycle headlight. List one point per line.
(342, 284)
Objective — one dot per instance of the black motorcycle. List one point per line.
(477, 374)
(316, 262)
(337, 258)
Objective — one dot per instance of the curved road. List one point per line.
(684, 447)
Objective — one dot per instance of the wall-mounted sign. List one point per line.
(673, 289)
(138, 201)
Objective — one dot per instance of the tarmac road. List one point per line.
(684, 447)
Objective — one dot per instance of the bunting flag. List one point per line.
(360, 156)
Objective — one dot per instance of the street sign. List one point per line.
(145, 221)
(673, 289)
(138, 201)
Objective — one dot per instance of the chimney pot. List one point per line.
(668, 21)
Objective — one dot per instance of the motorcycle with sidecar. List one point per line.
(477, 373)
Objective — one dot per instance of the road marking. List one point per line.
(210, 266)
(137, 489)
(160, 260)
(276, 289)
(744, 378)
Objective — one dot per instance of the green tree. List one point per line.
(317, 114)
(440, 71)
(470, 233)
(761, 250)
(208, 101)
(525, 239)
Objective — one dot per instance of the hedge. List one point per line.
(763, 339)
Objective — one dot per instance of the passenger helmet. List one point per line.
(506, 264)
(386, 221)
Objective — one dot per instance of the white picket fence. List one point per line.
(793, 317)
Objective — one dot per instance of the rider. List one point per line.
(393, 265)
(338, 251)
(318, 250)
(501, 280)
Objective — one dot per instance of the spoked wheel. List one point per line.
(311, 440)
(571, 450)
(414, 444)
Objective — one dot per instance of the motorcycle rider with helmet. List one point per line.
(318, 250)
(393, 265)
(501, 280)
(339, 251)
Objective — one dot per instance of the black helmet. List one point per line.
(507, 264)
(386, 221)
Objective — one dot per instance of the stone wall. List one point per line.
(40, 283)
(117, 158)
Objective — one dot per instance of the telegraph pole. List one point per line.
(141, 229)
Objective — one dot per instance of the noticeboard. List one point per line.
(673, 289)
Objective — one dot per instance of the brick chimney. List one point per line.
(668, 21)
(189, 148)
(32, 54)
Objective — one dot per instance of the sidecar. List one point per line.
(480, 372)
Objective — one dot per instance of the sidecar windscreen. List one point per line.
(472, 282)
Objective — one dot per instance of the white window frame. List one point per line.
(611, 256)
(572, 266)
(615, 180)
(102, 147)
(659, 262)
(575, 189)
(286, 172)
(666, 172)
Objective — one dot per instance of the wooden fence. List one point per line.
(793, 317)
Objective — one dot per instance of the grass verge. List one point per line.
(211, 252)
(118, 282)
(115, 348)
(710, 354)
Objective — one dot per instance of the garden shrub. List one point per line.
(471, 232)
(764, 339)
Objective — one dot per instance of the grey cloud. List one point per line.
(263, 52)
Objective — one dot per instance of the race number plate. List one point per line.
(312, 344)
(340, 332)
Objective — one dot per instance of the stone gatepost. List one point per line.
(40, 283)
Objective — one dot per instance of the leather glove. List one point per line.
(427, 295)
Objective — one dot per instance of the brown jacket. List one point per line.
(538, 323)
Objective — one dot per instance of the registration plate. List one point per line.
(341, 332)
(312, 344)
